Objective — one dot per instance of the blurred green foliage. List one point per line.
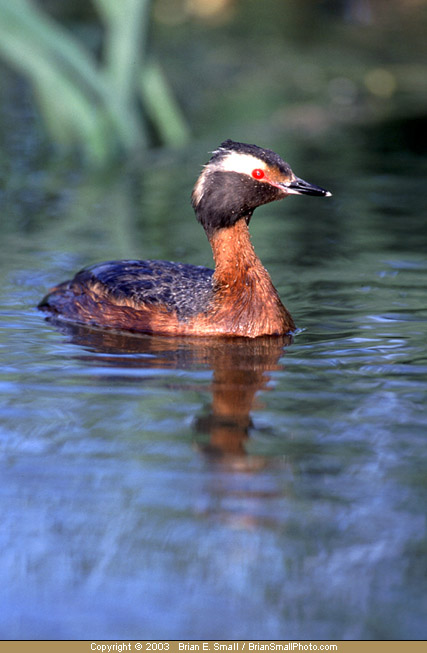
(102, 106)
(110, 76)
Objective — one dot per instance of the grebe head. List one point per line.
(238, 178)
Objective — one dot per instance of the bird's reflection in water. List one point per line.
(241, 367)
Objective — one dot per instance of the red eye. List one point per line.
(258, 173)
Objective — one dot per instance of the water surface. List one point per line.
(175, 488)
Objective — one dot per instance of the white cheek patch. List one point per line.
(199, 188)
(233, 162)
(241, 163)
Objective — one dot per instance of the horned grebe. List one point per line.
(236, 299)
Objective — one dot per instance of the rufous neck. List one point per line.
(246, 300)
(235, 256)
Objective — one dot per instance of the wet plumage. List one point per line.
(183, 288)
(236, 299)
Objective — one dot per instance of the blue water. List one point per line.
(175, 488)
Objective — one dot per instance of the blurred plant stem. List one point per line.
(94, 105)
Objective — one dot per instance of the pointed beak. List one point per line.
(300, 187)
